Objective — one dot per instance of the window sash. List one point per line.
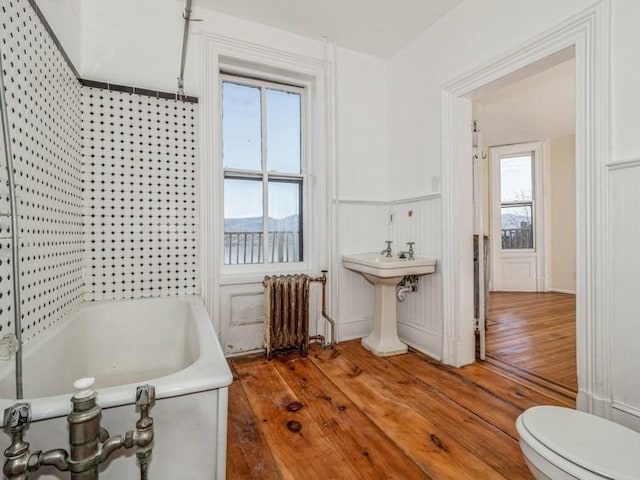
(274, 176)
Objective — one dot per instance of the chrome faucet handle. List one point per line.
(410, 252)
(17, 416)
(387, 251)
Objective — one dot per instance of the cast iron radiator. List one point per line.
(286, 310)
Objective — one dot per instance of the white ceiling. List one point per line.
(537, 107)
(376, 27)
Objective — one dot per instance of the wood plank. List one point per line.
(304, 454)
(535, 333)
(433, 448)
(248, 454)
(368, 417)
(374, 455)
(495, 443)
(514, 390)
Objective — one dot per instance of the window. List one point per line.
(516, 201)
(264, 171)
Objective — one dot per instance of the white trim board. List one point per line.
(626, 415)
(587, 33)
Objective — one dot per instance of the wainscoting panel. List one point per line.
(420, 315)
(624, 220)
(363, 227)
(242, 318)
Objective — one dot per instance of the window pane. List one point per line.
(515, 179)
(241, 127)
(285, 221)
(283, 131)
(517, 227)
(243, 238)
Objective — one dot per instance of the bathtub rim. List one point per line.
(209, 372)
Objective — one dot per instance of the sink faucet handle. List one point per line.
(410, 252)
(387, 251)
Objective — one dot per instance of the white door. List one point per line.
(516, 218)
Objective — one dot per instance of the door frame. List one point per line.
(539, 251)
(587, 33)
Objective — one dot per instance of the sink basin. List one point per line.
(385, 273)
(386, 267)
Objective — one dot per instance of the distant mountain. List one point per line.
(254, 224)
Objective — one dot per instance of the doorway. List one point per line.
(527, 191)
(592, 148)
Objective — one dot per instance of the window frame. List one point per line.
(265, 82)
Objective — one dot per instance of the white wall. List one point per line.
(64, 17)
(624, 211)
(470, 36)
(537, 107)
(562, 190)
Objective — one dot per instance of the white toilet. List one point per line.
(560, 443)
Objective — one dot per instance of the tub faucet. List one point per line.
(90, 444)
(387, 251)
(409, 253)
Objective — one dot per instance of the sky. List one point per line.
(242, 149)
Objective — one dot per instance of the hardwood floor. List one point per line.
(347, 414)
(533, 335)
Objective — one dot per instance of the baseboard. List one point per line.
(354, 329)
(424, 341)
(562, 290)
(626, 415)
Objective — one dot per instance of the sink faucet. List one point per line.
(387, 251)
(409, 253)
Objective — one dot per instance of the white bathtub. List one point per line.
(166, 342)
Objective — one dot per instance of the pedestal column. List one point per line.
(383, 339)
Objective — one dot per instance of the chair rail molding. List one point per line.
(588, 34)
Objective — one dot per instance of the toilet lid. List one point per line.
(591, 442)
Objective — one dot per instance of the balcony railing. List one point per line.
(248, 247)
(517, 238)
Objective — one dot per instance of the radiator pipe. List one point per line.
(323, 344)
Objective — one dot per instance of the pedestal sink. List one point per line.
(385, 273)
